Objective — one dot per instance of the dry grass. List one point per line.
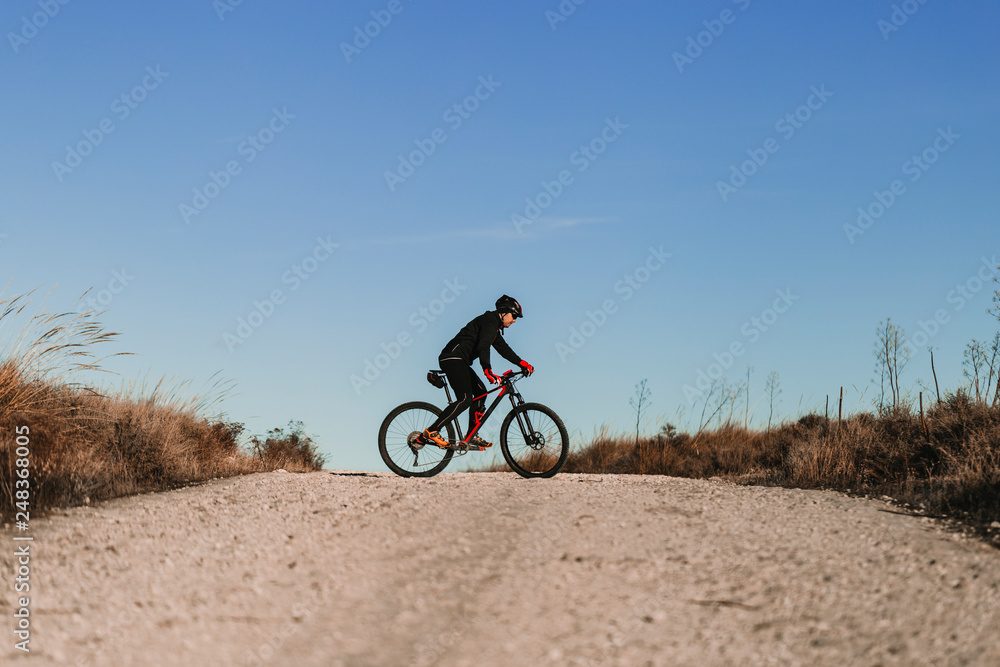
(86, 445)
(951, 471)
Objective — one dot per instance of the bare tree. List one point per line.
(881, 383)
(772, 388)
(993, 362)
(734, 398)
(996, 297)
(638, 402)
(746, 415)
(972, 361)
(723, 394)
(891, 357)
(726, 395)
(900, 358)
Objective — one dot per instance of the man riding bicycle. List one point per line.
(475, 339)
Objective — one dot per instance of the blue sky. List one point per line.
(250, 154)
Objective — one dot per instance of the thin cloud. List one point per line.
(556, 223)
(496, 233)
(504, 231)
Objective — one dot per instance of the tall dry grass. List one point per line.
(88, 445)
(951, 470)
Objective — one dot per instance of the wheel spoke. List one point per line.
(535, 442)
(394, 441)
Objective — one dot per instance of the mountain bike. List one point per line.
(533, 439)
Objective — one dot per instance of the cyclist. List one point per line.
(474, 340)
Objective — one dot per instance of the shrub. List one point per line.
(951, 470)
(86, 446)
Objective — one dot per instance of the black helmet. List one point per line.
(509, 304)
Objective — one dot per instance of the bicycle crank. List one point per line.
(465, 447)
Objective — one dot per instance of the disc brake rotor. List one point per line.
(537, 441)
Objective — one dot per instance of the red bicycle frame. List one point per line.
(506, 387)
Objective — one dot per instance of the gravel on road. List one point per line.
(350, 568)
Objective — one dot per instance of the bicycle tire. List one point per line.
(526, 458)
(392, 442)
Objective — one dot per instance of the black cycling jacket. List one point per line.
(475, 339)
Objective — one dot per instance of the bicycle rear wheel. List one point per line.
(398, 446)
(534, 441)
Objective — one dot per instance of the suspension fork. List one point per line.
(522, 417)
(515, 397)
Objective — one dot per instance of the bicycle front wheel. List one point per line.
(534, 441)
(399, 447)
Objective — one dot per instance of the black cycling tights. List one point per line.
(467, 386)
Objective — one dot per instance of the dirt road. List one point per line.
(490, 569)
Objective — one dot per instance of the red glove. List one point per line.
(528, 367)
(490, 376)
